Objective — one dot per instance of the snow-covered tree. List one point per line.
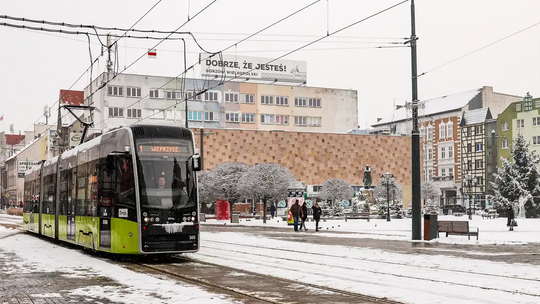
(518, 181)
(206, 192)
(430, 194)
(395, 190)
(335, 190)
(225, 178)
(267, 182)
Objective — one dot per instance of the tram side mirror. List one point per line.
(196, 162)
(110, 162)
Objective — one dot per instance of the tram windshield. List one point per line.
(166, 178)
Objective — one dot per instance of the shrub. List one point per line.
(15, 211)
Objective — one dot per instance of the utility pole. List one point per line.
(415, 138)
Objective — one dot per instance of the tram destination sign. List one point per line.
(254, 69)
(161, 149)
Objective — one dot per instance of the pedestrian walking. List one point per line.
(510, 218)
(272, 210)
(317, 211)
(295, 212)
(304, 216)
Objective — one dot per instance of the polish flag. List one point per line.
(1, 117)
(152, 53)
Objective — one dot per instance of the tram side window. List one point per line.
(125, 186)
(91, 189)
(80, 202)
(65, 182)
(50, 191)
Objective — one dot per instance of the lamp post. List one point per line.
(469, 182)
(388, 179)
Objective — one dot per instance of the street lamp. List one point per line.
(469, 182)
(388, 179)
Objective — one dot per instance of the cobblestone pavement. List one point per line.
(22, 287)
(525, 254)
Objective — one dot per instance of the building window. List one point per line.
(518, 107)
(193, 96)
(478, 130)
(317, 188)
(154, 93)
(267, 99)
(430, 133)
(478, 164)
(211, 116)
(248, 118)
(157, 114)
(527, 105)
(469, 131)
(504, 125)
(520, 123)
(282, 119)
(116, 112)
(267, 119)
(115, 91)
(450, 130)
(504, 143)
(430, 174)
(451, 152)
(443, 172)
(537, 104)
(195, 116)
(430, 154)
(536, 140)
(133, 92)
(282, 101)
(173, 95)
(451, 172)
(314, 121)
(300, 120)
(134, 113)
(443, 152)
(422, 133)
(469, 148)
(536, 121)
(231, 97)
(300, 102)
(469, 165)
(442, 131)
(232, 117)
(315, 103)
(211, 96)
(247, 98)
(479, 181)
(479, 146)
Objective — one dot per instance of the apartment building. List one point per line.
(440, 126)
(129, 99)
(521, 117)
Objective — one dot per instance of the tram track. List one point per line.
(353, 296)
(259, 255)
(380, 261)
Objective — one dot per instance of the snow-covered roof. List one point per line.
(25, 147)
(433, 106)
(477, 116)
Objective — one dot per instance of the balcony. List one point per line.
(444, 182)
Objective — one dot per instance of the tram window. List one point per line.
(125, 186)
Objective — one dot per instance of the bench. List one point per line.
(359, 215)
(490, 214)
(457, 228)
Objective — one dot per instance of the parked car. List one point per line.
(451, 209)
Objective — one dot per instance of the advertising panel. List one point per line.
(254, 69)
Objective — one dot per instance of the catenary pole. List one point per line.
(415, 138)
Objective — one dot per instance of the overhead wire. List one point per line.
(286, 54)
(220, 53)
(479, 49)
(89, 68)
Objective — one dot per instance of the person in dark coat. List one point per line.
(272, 210)
(510, 217)
(317, 211)
(304, 216)
(295, 212)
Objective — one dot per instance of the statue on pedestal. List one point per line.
(367, 177)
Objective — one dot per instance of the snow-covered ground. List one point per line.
(492, 231)
(410, 278)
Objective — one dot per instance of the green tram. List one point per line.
(132, 190)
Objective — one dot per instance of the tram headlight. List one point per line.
(193, 213)
(193, 219)
(157, 219)
(146, 219)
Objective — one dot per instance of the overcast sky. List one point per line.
(34, 66)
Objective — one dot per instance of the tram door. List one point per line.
(107, 176)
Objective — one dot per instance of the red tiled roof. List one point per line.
(14, 139)
(74, 98)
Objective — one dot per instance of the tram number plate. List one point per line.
(192, 237)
